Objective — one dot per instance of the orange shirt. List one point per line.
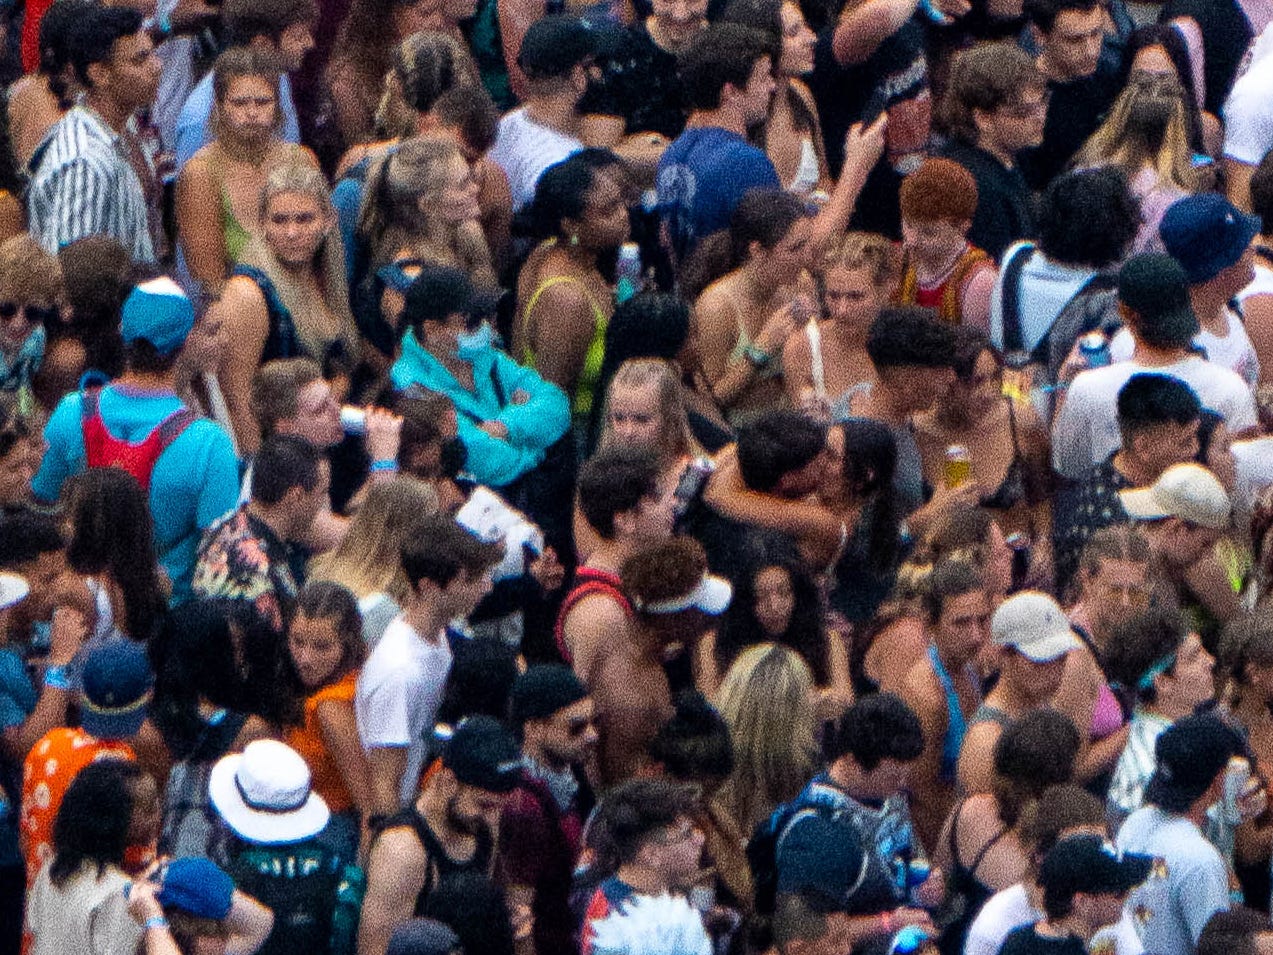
(308, 741)
(47, 772)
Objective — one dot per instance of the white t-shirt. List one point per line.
(524, 149)
(1233, 350)
(398, 695)
(1248, 112)
(1004, 911)
(1085, 431)
(1188, 884)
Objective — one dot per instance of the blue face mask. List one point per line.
(471, 344)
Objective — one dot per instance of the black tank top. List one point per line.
(438, 865)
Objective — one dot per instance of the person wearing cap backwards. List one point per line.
(449, 829)
(1033, 638)
(1168, 674)
(1190, 880)
(271, 845)
(187, 464)
(674, 600)
(508, 415)
(541, 828)
(195, 902)
(115, 690)
(1184, 514)
(863, 792)
(1085, 885)
(1153, 299)
(555, 57)
(1211, 239)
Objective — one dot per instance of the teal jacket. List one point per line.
(533, 426)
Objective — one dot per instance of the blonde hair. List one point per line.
(393, 217)
(368, 559)
(675, 438)
(329, 260)
(1148, 126)
(28, 273)
(863, 250)
(766, 699)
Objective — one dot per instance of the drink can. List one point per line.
(353, 420)
(1094, 347)
(958, 466)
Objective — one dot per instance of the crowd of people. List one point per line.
(636, 477)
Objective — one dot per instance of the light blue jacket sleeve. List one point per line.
(491, 461)
(64, 457)
(543, 419)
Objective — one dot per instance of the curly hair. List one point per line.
(663, 571)
(1088, 217)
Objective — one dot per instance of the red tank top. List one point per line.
(588, 582)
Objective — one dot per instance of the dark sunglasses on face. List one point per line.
(34, 313)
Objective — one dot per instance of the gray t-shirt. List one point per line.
(1189, 882)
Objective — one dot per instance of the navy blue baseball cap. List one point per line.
(1206, 234)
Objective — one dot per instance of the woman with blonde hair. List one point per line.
(827, 365)
(421, 203)
(1146, 136)
(767, 700)
(219, 189)
(288, 296)
(367, 559)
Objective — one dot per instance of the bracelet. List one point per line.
(756, 356)
(155, 921)
(384, 464)
(57, 678)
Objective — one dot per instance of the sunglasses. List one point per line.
(35, 313)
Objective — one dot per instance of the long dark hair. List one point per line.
(762, 215)
(806, 631)
(870, 462)
(194, 658)
(333, 602)
(1173, 44)
(113, 534)
(93, 821)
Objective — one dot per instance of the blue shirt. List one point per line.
(195, 480)
(192, 123)
(17, 701)
(702, 176)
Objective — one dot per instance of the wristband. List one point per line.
(756, 356)
(384, 464)
(155, 921)
(57, 678)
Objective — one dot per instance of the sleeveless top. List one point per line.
(956, 724)
(838, 406)
(232, 230)
(588, 581)
(590, 373)
(307, 739)
(438, 865)
(807, 174)
(967, 891)
(946, 298)
(1012, 489)
(282, 340)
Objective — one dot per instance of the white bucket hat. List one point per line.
(264, 794)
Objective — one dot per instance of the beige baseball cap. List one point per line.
(1187, 491)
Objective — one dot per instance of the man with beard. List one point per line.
(448, 830)
(542, 826)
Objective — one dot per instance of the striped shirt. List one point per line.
(83, 184)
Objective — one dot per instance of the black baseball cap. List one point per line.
(483, 754)
(440, 291)
(1190, 754)
(1088, 863)
(1155, 287)
(555, 45)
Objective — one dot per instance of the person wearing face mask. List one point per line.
(508, 416)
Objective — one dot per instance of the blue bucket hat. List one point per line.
(1206, 234)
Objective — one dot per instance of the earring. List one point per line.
(574, 238)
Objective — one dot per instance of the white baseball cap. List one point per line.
(1034, 625)
(711, 595)
(1187, 491)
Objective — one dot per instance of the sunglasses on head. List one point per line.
(35, 313)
